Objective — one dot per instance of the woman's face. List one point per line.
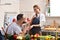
(36, 10)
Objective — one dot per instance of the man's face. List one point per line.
(22, 20)
(36, 10)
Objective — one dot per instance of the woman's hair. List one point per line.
(36, 7)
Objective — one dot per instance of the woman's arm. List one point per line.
(42, 19)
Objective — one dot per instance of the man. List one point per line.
(1, 36)
(16, 27)
(38, 18)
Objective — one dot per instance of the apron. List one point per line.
(36, 20)
(35, 30)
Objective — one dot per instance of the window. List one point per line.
(55, 7)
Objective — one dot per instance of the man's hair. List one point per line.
(19, 16)
(36, 6)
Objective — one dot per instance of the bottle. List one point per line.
(27, 37)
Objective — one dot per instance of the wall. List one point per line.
(27, 5)
(6, 7)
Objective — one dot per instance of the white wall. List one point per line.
(14, 7)
(27, 5)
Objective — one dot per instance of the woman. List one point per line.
(38, 18)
